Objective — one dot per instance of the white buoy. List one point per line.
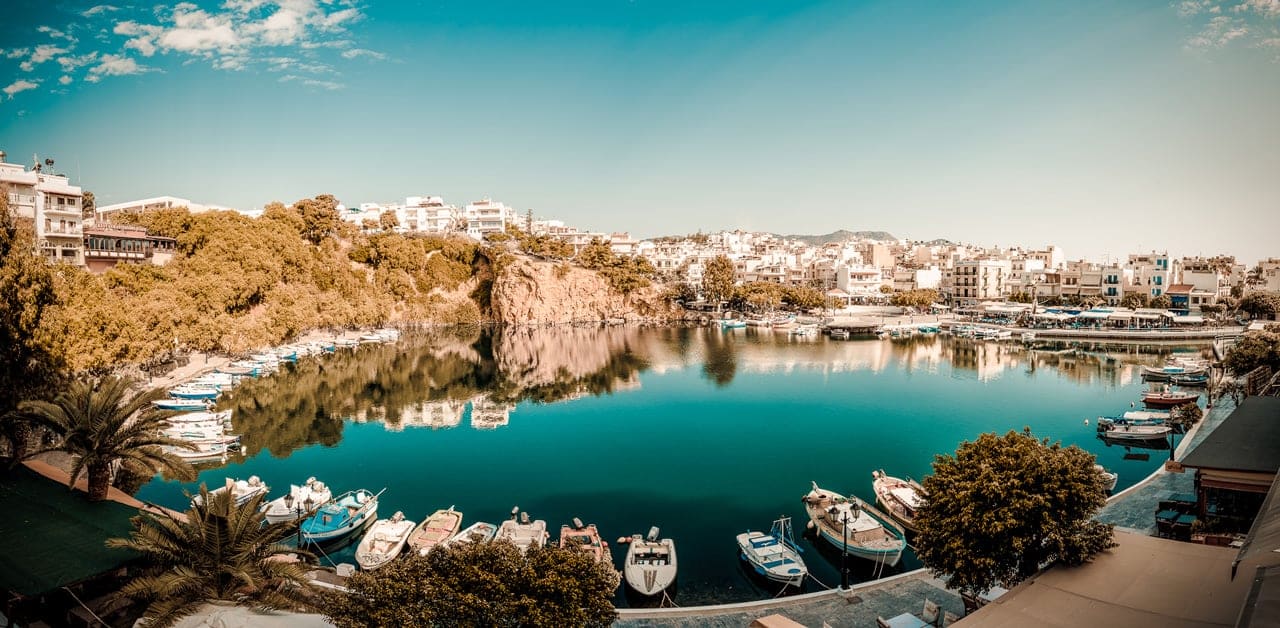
(1086, 421)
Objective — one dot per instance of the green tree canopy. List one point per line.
(1002, 506)
(1260, 304)
(919, 299)
(217, 550)
(1134, 300)
(319, 216)
(718, 279)
(1162, 302)
(1254, 349)
(481, 584)
(388, 221)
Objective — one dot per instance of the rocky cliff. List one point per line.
(527, 291)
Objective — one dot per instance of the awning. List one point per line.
(1096, 315)
(1147, 316)
(1120, 316)
(1188, 320)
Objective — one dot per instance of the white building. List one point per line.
(1150, 274)
(428, 214)
(978, 280)
(103, 213)
(53, 204)
(486, 216)
(860, 282)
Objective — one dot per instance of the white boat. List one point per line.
(805, 330)
(300, 502)
(205, 450)
(197, 433)
(1109, 479)
(585, 538)
(434, 530)
(774, 554)
(852, 525)
(522, 532)
(241, 490)
(182, 404)
(900, 498)
(1028, 336)
(650, 566)
(188, 391)
(1137, 432)
(478, 532)
(839, 333)
(384, 541)
(205, 417)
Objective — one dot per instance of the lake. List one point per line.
(705, 433)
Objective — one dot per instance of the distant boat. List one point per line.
(203, 417)
(774, 555)
(383, 541)
(805, 330)
(1168, 372)
(241, 490)
(900, 498)
(1137, 432)
(300, 502)
(1168, 399)
(839, 333)
(522, 532)
(181, 404)
(1028, 336)
(869, 535)
(341, 516)
(434, 530)
(650, 566)
(205, 450)
(478, 532)
(1109, 479)
(241, 371)
(732, 323)
(1200, 379)
(194, 392)
(586, 539)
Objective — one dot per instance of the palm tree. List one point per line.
(102, 428)
(217, 550)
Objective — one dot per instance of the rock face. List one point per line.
(529, 292)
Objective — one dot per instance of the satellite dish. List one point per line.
(48, 162)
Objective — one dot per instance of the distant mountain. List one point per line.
(842, 235)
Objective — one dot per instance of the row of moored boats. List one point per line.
(1153, 421)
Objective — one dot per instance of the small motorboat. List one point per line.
(1137, 432)
(650, 566)
(191, 391)
(434, 530)
(478, 532)
(384, 541)
(1109, 479)
(774, 555)
(585, 539)
(522, 532)
(241, 490)
(870, 534)
(341, 517)
(300, 502)
(900, 498)
(181, 404)
(1169, 399)
(839, 333)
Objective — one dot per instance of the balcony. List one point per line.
(64, 233)
(21, 199)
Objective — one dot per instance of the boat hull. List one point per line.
(650, 578)
(888, 557)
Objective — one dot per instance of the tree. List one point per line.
(1254, 349)
(1185, 416)
(1260, 304)
(1134, 300)
(319, 217)
(886, 289)
(29, 364)
(1160, 302)
(101, 428)
(718, 279)
(388, 221)
(217, 550)
(919, 299)
(481, 584)
(88, 205)
(1002, 506)
(1020, 297)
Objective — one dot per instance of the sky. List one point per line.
(1102, 127)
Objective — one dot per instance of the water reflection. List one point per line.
(443, 378)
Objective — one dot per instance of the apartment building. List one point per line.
(1269, 276)
(487, 216)
(428, 214)
(978, 280)
(52, 204)
(1150, 273)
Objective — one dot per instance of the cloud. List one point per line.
(71, 62)
(55, 33)
(20, 85)
(64, 80)
(98, 10)
(195, 31)
(1265, 8)
(115, 65)
(310, 82)
(41, 54)
(362, 52)
(1219, 32)
(15, 53)
(1188, 8)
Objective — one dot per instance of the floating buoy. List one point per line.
(1086, 421)
(809, 526)
(623, 540)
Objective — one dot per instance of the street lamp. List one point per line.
(844, 551)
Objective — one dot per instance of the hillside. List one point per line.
(843, 235)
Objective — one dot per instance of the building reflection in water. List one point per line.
(439, 379)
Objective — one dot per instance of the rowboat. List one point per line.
(650, 566)
(241, 490)
(774, 555)
(1168, 399)
(383, 541)
(300, 502)
(900, 498)
(478, 532)
(1137, 432)
(585, 539)
(1109, 479)
(434, 530)
(852, 525)
(522, 532)
(341, 517)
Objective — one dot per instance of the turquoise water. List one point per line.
(702, 432)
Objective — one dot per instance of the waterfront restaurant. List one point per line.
(1236, 464)
(108, 245)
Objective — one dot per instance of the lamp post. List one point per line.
(844, 551)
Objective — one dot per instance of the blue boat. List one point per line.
(194, 392)
(341, 516)
(181, 404)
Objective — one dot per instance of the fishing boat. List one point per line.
(900, 498)
(852, 525)
(187, 391)
(478, 532)
(181, 404)
(434, 530)
(300, 502)
(383, 541)
(205, 417)
(839, 333)
(1168, 372)
(522, 532)
(1109, 479)
(650, 566)
(805, 330)
(205, 450)
(239, 371)
(1195, 379)
(1137, 432)
(732, 323)
(241, 490)
(585, 539)
(341, 516)
(1168, 399)
(774, 555)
